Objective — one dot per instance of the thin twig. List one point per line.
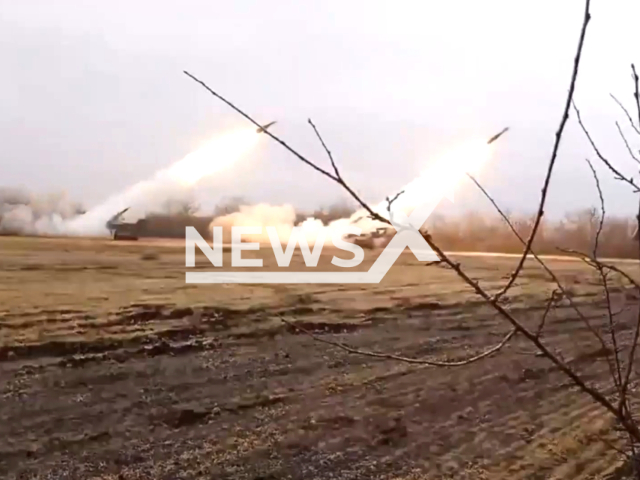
(636, 333)
(388, 356)
(390, 203)
(626, 112)
(636, 93)
(394, 198)
(617, 378)
(594, 262)
(300, 157)
(554, 154)
(617, 174)
(550, 302)
(602, 209)
(326, 149)
(546, 268)
(594, 393)
(626, 143)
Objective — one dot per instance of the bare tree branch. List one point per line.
(636, 334)
(554, 154)
(326, 149)
(390, 203)
(626, 112)
(617, 378)
(546, 268)
(388, 356)
(300, 157)
(394, 198)
(550, 302)
(266, 132)
(594, 262)
(626, 143)
(636, 93)
(594, 393)
(607, 265)
(602, 209)
(617, 174)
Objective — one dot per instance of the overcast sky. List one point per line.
(93, 98)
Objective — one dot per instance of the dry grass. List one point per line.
(113, 367)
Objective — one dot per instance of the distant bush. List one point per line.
(577, 231)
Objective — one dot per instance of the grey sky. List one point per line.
(93, 98)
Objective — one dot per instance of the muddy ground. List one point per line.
(111, 367)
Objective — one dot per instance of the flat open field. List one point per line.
(112, 367)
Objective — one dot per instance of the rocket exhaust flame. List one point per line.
(436, 182)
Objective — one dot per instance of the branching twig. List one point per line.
(595, 394)
(394, 198)
(623, 403)
(300, 157)
(636, 334)
(326, 149)
(617, 378)
(390, 203)
(594, 262)
(617, 174)
(546, 268)
(518, 327)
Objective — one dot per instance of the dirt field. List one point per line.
(112, 367)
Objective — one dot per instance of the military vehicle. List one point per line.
(368, 240)
(120, 230)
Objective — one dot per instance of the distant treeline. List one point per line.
(472, 231)
(576, 231)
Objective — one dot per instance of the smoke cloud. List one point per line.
(27, 215)
(24, 213)
(21, 213)
(282, 219)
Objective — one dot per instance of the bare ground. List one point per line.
(112, 367)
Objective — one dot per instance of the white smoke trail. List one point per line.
(176, 181)
(173, 182)
(169, 183)
(440, 180)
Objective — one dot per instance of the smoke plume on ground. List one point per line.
(24, 213)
